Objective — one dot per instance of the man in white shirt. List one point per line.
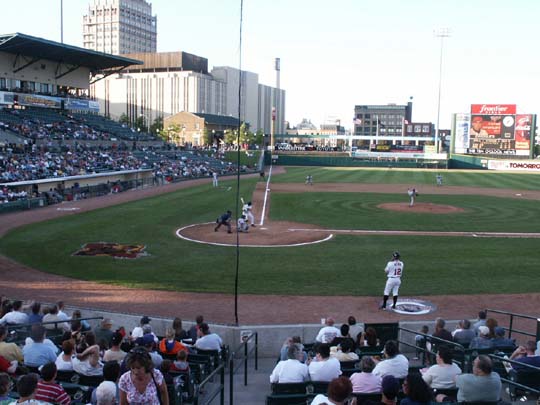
(16, 316)
(324, 367)
(328, 332)
(137, 331)
(394, 363)
(207, 340)
(61, 314)
(290, 370)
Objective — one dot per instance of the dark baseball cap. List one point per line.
(145, 320)
(390, 386)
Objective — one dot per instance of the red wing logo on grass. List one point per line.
(117, 250)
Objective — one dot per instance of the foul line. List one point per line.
(426, 233)
(261, 222)
(179, 234)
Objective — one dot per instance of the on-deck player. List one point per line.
(394, 271)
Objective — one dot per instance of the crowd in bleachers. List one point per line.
(446, 367)
(47, 355)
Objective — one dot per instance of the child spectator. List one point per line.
(180, 365)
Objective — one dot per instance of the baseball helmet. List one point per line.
(396, 255)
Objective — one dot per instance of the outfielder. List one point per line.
(394, 271)
(247, 211)
(215, 181)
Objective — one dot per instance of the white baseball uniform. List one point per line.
(215, 181)
(242, 225)
(394, 271)
(246, 210)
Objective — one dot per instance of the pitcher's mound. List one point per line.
(421, 207)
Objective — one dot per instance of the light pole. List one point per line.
(441, 33)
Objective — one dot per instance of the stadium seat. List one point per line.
(362, 398)
(289, 388)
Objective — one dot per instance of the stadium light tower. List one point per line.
(441, 33)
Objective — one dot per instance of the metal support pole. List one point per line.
(231, 379)
(245, 362)
(441, 33)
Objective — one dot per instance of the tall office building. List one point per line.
(120, 26)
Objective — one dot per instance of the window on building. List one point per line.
(425, 129)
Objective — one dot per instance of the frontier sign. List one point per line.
(493, 109)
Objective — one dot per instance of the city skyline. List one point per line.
(353, 53)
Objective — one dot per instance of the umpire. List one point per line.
(225, 219)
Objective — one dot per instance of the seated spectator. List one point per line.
(180, 365)
(16, 316)
(5, 388)
(87, 363)
(207, 340)
(343, 351)
(115, 353)
(52, 316)
(8, 366)
(443, 374)
(491, 323)
(138, 332)
(526, 355)
(339, 390)
(38, 353)
(147, 341)
(64, 361)
(482, 385)
(421, 342)
(482, 315)
(169, 345)
(194, 330)
(179, 333)
(323, 367)
(463, 333)
(9, 351)
(500, 342)
(285, 348)
(440, 331)
(49, 391)
(394, 363)
(328, 332)
(165, 369)
(28, 341)
(291, 370)
(354, 328)
(35, 316)
(61, 314)
(416, 391)
(390, 390)
(108, 388)
(482, 341)
(366, 381)
(368, 339)
(26, 388)
(104, 332)
(85, 326)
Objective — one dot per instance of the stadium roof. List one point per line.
(218, 119)
(39, 48)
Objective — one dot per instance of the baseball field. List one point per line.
(487, 243)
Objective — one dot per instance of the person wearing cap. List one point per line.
(339, 390)
(482, 341)
(483, 384)
(148, 342)
(476, 128)
(389, 389)
(104, 332)
(500, 342)
(224, 219)
(394, 363)
(138, 332)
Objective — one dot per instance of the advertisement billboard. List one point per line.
(496, 129)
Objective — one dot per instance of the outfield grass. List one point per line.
(346, 265)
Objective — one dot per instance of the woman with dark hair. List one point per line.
(491, 323)
(5, 386)
(368, 339)
(35, 316)
(339, 390)
(416, 391)
(142, 384)
(442, 375)
(179, 333)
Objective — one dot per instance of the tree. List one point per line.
(157, 126)
(207, 137)
(259, 137)
(124, 119)
(140, 123)
(229, 137)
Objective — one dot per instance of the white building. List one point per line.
(120, 27)
(172, 82)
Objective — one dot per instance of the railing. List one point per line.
(519, 316)
(514, 384)
(210, 394)
(245, 357)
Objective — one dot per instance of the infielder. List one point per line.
(439, 179)
(247, 211)
(394, 271)
(215, 181)
(309, 179)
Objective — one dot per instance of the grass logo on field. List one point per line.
(409, 306)
(116, 250)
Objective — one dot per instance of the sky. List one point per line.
(341, 53)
